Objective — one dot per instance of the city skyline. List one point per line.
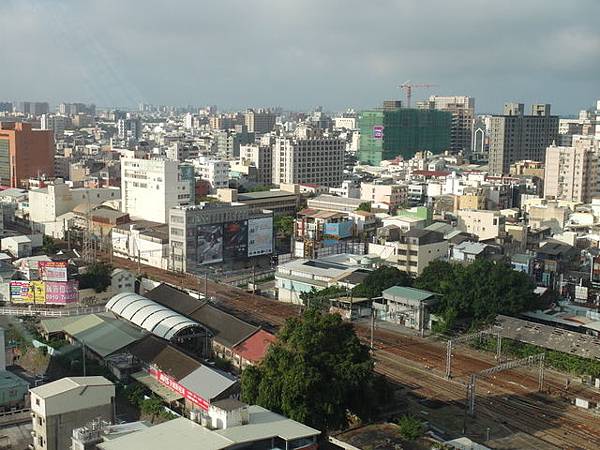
(335, 54)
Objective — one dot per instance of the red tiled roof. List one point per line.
(255, 347)
(431, 173)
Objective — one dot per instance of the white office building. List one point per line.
(215, 171)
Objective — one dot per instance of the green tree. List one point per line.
(317, 372)
(379, 280)
(410, 427)
(319, 299)
(364, 206)
(97, 276)
(48, 245)
(284, 225)
(259, 188)
(476, 293)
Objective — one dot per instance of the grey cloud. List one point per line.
(301, 53)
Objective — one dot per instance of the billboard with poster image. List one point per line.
(209, 244)
(260, 236)
(235, 239)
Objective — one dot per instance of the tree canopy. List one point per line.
(284, 225)
(476, 292)
(316, 373)
(97, 276)
(379, 280)
(364, 206)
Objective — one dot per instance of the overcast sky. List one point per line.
(302, 53)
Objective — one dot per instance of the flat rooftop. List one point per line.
(549, 337)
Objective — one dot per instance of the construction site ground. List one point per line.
(508, 403)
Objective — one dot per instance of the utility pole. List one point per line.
(83, 357)
(372, 327)
(253, 278)
(139, 261)
(206, 286)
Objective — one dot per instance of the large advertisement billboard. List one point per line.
(235, 239)
(62, 292)
(53, 270)
(209, 239)
(172, 384)
(260, 236)
(28, 292)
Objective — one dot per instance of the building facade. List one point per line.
(59, 407)
(211, 233)
(24, 153)
(390, 132)
(462, 109)
(571, 173)
(515, 136)
(259, 121)
(150, 187)
(309, 159)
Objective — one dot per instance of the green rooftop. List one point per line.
(417, 295)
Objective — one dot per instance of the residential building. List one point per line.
(316, 228)
(308, 158)
(49, 205)
(260, 157)
(32, 108)
(333, 203)
(515, 136)
(302, 275)
(259, 121)
(572, 173)
(528, 168)
(281, 202)
(390, 132)
(217, 232)
(24, 153)
(229, 141)
(410, 251)
(59, 407)
(406, 306)
(72, 109)
(130, 128)
(151, 187)
(144, 242)
(550, 214)
(384, 196)
(463, 117)
(55, 123)
(228, 425)
(213, 171)
(484, 224)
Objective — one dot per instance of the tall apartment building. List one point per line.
(55, 123)
(261, 157)
(308, 158)
(150, 187)
(32, 108)
(572, 173)
(515, 136)
(214, 171)
(72, 109)
(24, 153)
(59, 407)
(393, 131)
(130, 128)
(463, 117)
(229, 141)
(259, 121)
(482, 223)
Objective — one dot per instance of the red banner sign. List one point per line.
(169, 382)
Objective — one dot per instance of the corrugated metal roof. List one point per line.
(149, 315)
(408, 293)
(207, 383)
(68, 383)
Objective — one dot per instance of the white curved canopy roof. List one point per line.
(149, 315)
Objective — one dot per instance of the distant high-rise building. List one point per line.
(32, 108)
(463, 116)
(130, 128)
(72, 109)
(260, 121)
(229, 141)
(572, 173)
(6, 107)
(261, 157)
(24, 153)
(55, 123)
(391, 131)
(308, 158)
(150, 187)
(515, 136)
